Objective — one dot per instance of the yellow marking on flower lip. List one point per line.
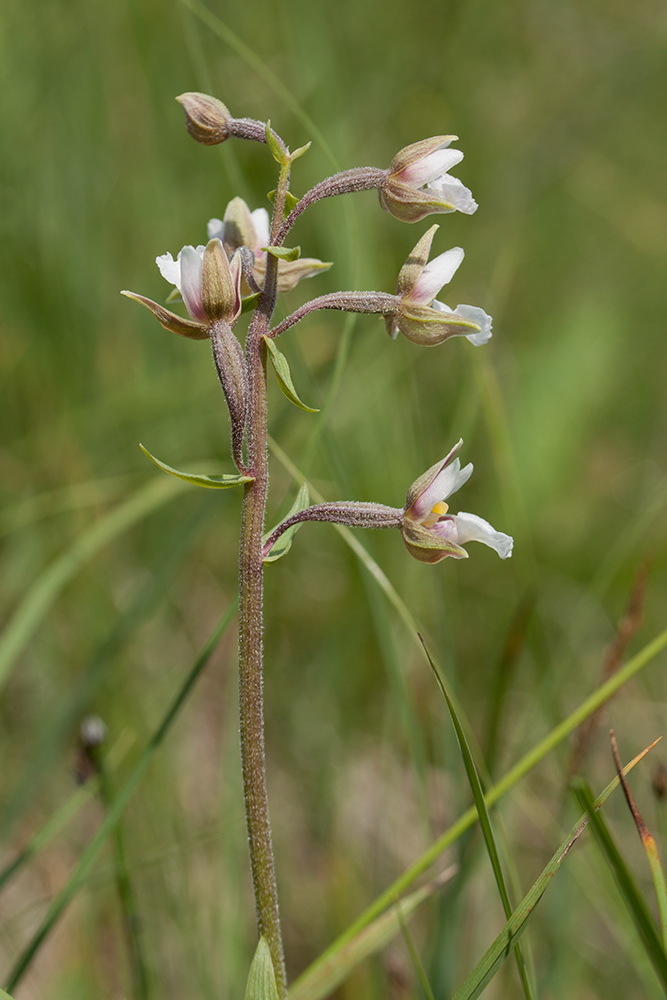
(440, 508)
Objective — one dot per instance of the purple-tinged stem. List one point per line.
(251, 583)
(353, 513)
(346, 182)
(363, 302)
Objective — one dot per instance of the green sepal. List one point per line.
(210, 482)
(290, 201)
(283, 544)
(249, 302)
(262, 977)
(277, 151)
(284, 376)
(299, 152)
(284, 253)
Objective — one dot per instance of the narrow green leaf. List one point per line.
(277, 151)
(415, 958)
(284, 543)
(320, 981)
(113, 814)
(299, 152)
(626, 883)
(284, 376)
(494, 957)
(5, 996)
(262, 977)
(484, 817)
(284, 253)
(211, 482)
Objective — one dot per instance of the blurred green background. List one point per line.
(560, 107)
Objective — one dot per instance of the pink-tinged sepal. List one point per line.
(169, 320)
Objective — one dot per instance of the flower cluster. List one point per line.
(212, 280)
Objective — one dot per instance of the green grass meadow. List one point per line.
(114, 576)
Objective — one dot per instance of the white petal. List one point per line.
(470, 528)
(430, 167)
(483, 320)
(438, 272)
(260, 220)
(451, 190)
(191, 261)
(170, 269)
(450, 478)
(216, 229)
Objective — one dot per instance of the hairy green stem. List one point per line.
(253, 758)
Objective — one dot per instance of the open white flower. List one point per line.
(243, 228)
(430, 532)
(421, 317)
(419, 183)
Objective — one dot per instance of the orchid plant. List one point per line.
(245, 265)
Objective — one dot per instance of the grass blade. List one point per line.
(51, 581)
(320, 980)
(50, 830)
(494, 957)
(484, 818)
(626, 883)
(92, 850)
(648, 844)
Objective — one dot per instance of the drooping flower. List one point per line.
(430, 532)
(419, 182)
(243, 228)
(420, 316)
(208, 284)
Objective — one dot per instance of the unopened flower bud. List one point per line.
(206, 118)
